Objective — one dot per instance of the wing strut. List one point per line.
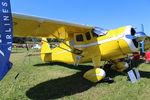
(73, 50)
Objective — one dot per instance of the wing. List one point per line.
(30, 26)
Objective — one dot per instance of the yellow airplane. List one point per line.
(80, 43)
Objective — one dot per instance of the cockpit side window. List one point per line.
(94, 34)
(79, 38)
(88, 36)
(97, 31)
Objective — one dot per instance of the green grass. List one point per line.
(39, 81)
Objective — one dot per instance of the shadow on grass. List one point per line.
(61, 87)
(136, 63)
(80, 67)
(70, 85)
(145, 74)
(57, 88)
(110, 73)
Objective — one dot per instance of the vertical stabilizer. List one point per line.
(45, 51)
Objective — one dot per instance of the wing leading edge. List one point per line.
(30, 26)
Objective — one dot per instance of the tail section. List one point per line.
(45, 51)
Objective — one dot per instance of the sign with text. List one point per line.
(5, 37)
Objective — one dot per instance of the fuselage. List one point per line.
(111, 46)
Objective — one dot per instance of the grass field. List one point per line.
(39, 81)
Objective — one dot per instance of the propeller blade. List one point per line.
(142, 27)
(140, 36)
(142, 47)
(130, 37)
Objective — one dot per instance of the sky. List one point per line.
(107, 14)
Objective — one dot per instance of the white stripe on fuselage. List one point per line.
(2, 53)
(64, 51)
(121, 36)
(99, 42)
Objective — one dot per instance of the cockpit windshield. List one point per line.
(99, 31)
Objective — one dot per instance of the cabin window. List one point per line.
(94, 34)
(88, 36)
(79, 38)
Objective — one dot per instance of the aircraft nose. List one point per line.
(139, 36)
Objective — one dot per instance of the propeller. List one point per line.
(142, 47)
(134, 74)
(139, 36)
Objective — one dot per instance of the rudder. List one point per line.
(46, 55)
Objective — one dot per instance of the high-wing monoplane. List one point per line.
(80, 43)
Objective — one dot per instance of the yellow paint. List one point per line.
(111, 50)
(32, 26)
(106, 51)
(45, 51)
(63, 54)
(119, 66)
(107, 47)
(112, 33)
(94, 75)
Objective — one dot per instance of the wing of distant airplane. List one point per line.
(30, 26)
